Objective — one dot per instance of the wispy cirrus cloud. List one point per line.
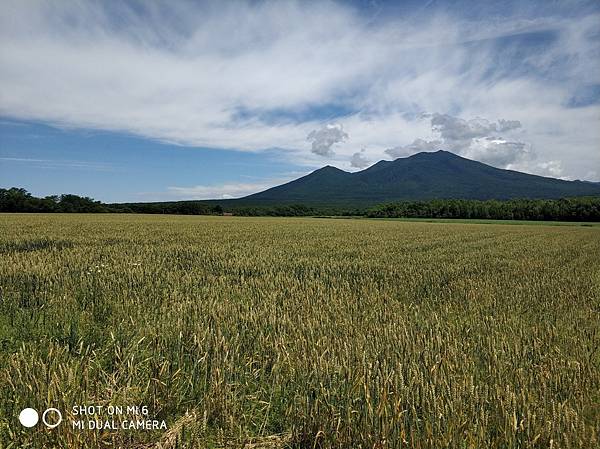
(176, 72)
(51, 164)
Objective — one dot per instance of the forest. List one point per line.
(585, 209)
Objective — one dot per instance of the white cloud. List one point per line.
(224, 190)
(218, 191)
(322, 140)
(476, 138)
(498, 152)
(507, 125)
(256, 76)
(418, 146)
(359, 160)
(550, 168)
(455, 129)
(481, 139)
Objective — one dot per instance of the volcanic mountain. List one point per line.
(421, 176)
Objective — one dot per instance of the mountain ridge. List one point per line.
(421, 176)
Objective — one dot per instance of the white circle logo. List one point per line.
(29, 417)
(58, 419)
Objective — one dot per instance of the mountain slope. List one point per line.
(422, 176)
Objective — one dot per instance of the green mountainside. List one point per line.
(422, 176)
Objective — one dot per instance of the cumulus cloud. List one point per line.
(358, 160)
(175, 71)
(455, 129)
(323, 139)
(458, 134)
(418, 146)
(507, 125)
(476, 138)
(497, 151)
(550, 168)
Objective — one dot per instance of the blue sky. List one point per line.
(142, 101)
(113, 166)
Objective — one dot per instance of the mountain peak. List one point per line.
(329, 169)
(421, 176)
(434, 154)
(426, 155)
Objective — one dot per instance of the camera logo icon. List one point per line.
(51, 417)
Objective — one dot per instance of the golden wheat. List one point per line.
(264, 332)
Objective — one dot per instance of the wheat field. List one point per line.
(302, 333)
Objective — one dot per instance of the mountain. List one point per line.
(422, 176)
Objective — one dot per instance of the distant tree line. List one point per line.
(296, 210)
(174, 208)
(568, 209)
(20, 200)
